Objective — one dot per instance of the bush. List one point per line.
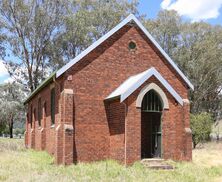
(201, 126)
(22, 131)
(2, 128)
(18, 131)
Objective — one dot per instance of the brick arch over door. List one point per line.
(156, 88)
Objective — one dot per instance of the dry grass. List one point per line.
(208, 155)
(19, 164)
(11, 145)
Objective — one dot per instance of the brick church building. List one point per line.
(123, 98)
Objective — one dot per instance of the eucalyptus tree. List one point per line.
(28, 27)
(166, 29)
(12, 109)
(197, 49)
(86, 22)
(200, 55)
(41, 36)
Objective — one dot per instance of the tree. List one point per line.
(12, 108)
(197, 49)
(166, 30)
(200, 55)
(87, 21)
(201, 125)
(43, 35)
(28, 27)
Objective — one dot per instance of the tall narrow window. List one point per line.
(53, 106)
(27, 118)
(44, 115)
(31, 115)
(35, 117)
(39, 111)
(45, 111)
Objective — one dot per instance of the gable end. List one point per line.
(129, 19)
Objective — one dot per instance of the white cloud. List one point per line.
(9, 80)
(196, 10)
(4, 75)
(165, 3)
(3, 70)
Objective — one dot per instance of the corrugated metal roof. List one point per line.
(134, 82)
(130, 18)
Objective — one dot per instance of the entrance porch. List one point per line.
(148, 119)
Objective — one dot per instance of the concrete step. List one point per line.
(156, 163)
(152, 160)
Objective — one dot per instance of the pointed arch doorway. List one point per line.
(151, 130)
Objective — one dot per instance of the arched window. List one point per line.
(151, 102)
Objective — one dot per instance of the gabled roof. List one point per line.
(127, 20)
(130, 18)
(134, 82)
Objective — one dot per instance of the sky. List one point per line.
(191, 10)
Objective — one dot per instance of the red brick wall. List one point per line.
(97, 135)
(116, 121)
(44, 135)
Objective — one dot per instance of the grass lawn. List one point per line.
(19, 164)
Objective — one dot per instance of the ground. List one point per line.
(20, 164)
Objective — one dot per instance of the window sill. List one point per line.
(53, 126)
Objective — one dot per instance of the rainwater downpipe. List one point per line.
(125, 130)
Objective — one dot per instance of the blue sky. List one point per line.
(149, 7)
(191, 10)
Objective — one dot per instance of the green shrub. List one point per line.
(23, 131)
(2, 128)
(17, 131)
(201, 126)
